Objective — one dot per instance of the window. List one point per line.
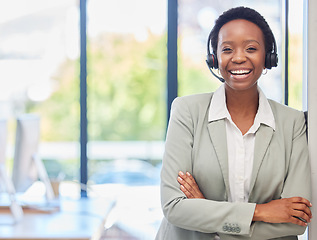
(39, 70)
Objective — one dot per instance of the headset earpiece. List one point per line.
(212, 61)
(271, 60)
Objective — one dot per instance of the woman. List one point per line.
(236, 164)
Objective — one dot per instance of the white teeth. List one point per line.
(240, 71)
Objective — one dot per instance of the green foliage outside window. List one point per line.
(127, 84)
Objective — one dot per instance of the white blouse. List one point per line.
(240, 147)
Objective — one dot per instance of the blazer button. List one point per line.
(225, 228)
(238, 229)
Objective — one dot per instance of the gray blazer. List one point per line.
(281, 169)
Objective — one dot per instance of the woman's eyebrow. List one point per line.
(251, 41)
(226, 42)
(246, 41)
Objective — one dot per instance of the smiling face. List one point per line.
(241, 54)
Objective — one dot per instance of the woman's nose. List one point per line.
(238, 57)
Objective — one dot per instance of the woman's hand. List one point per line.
(189, 186)
(286, 210)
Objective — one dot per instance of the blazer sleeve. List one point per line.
(200, 215)
(297, 183)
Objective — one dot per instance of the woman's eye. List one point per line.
(226, 50)
(251, 49)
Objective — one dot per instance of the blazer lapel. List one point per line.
(262, 140)
(217, 132)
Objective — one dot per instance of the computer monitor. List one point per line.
(3, 146)
(5, 181)
(3, 140)
(27, 165)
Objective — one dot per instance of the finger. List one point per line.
(187, 177)
(189, 187)
(180, 180)
(186, 188)
(188, 181)
(183, 183)
(302, 207)
(196, 190)
(301, 215)
(192, 186)
(191, 190)
(297, 221)
(191, 180)
(181, 175)
(187, 193)
(301, 200)
(190, 177)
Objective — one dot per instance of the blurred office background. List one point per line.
(126, 89)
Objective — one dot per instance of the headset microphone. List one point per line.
(220, 78)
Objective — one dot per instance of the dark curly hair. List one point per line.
(242, 13)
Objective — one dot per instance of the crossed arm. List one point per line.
(286, 210)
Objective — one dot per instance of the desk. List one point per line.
(80, 219)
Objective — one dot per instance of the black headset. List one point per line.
(271, 58)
